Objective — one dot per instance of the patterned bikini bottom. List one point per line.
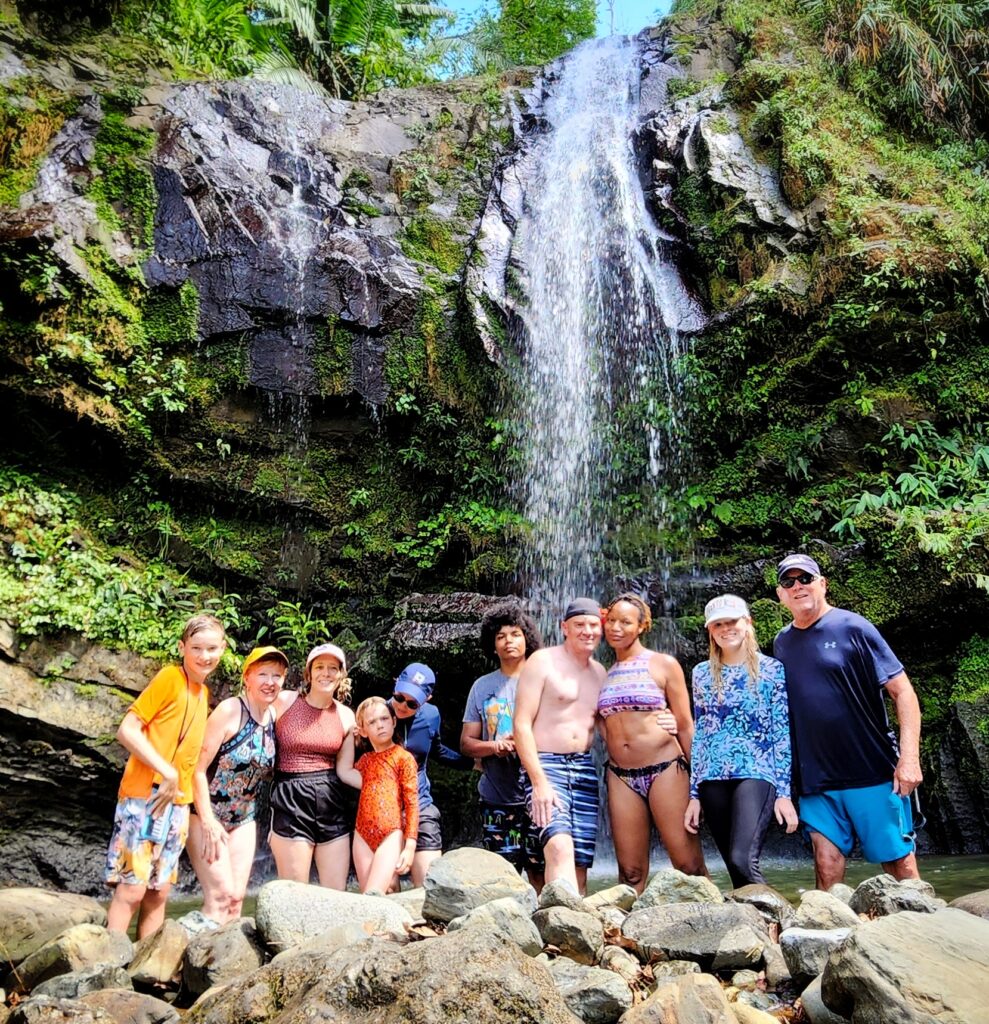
(640, 780)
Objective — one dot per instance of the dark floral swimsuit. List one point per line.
(241, 766)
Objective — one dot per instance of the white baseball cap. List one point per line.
(725, 606)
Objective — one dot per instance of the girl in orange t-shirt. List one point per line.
(389, 804)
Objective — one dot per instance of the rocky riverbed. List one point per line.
(476, 944)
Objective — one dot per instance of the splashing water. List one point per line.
(602, 321)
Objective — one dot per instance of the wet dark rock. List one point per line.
(216, 957)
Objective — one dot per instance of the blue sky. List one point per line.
(629, 15)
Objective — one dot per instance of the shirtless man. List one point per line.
(555, 709)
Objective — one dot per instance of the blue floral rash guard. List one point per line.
(744, 733)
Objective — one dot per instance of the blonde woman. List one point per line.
(740, 764)
(311, 808)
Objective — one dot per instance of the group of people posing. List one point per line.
(812, 722)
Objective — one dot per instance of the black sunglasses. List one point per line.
(400, 698)
(804, 578)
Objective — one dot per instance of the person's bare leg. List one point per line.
(293, 858)
(363, 857)
(421, 863)
(333, 863)
(630, 824)
(829, 862)
(152, 913)
(241, 844)
(905, 867)
(560, 863)
(668, 798)
(123, 905)
(216, 878)
(383, 862)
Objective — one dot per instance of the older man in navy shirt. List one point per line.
(852, 776)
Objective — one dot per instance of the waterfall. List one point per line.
(602, 321)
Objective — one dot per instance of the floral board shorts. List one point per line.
(136, 861)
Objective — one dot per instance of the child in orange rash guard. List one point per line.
(389, 803)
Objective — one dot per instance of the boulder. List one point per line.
(506, 918)
(621, 896)
(78, 983)
(123, 1006)
(614, 958)
(158, 957)
(216, 957)
(746, 1014)
(813, 1004)
(577, 934)
(773, 905)
(883, 895)
(289, 913)
(690, 999)
(470, 975)
(46, 1010)
(612, 917)
(822, 910)
(669, 970)
(76, 949)
(842, 892)
(467, 878)
(806, 950)
(718, 937)
(672, 886)
(327, 942)
(594, 995)
(976, 903)
(559, 893)
(412, 900)
(774, 964)
(747, 980)
(31, 917)
(910, 968)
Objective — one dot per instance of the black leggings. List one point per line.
(738, 812)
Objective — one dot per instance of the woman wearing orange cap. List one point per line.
(237, 757)
(311, 808)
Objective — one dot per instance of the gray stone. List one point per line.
(328, 942)
(911, 968)
(76, 949)
(842, 892)
(504, 917)
(47, 1010)
(745, 979)
(746, 1014)
(976, 903)
(813, 1004)
(8, 640)
(614, 958)
(123, 1006)
(773, 905)
(158, 957)
(669, 970)
(672, 886)
(823, 910)
(31, 917)
(718, 936)
(612, 918)
(690, 999)
(412, 900)
(216, 957)
(806, 950)
(78, 983)
(883, 895)
(621, 896)
(559, 893)
(594, 995)
(471, 975)
(774, 964)
(467, 878)
(577, 934)
(288, 913)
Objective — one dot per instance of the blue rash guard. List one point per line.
(836, 669)
(420, 736)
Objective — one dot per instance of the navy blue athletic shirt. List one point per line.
(420, 736)
(835, 673)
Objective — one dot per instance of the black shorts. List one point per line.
(430, 829)
(314, 806)
(507, 829)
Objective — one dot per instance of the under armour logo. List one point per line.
(830, 643)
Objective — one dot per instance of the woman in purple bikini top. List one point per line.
(645, 719)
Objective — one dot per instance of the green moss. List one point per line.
(429, 240)
(31, 114)
(333, 360)
(679, 88)
(171, 316)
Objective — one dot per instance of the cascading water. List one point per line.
(603, 319)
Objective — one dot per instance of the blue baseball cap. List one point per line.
(804, 562)
(416, 681)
